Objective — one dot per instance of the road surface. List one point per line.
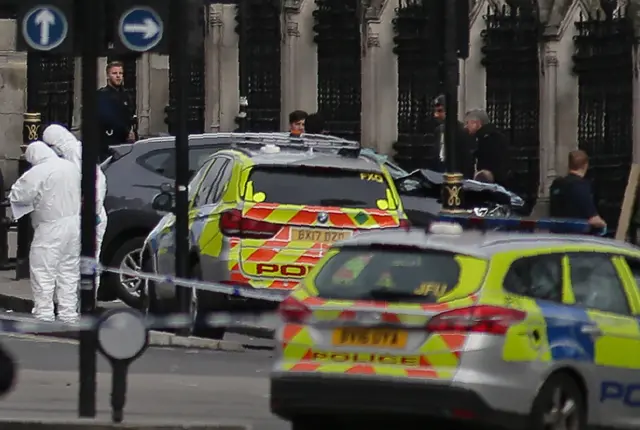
(172, 384)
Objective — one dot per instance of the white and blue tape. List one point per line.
(89, 266)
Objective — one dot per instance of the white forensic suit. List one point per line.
(50, 190)
(70, 148)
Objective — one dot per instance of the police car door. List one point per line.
(613, 340)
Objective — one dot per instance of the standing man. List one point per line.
(297, 119)
(116, 110)
(492, 149)
(464, 147)
(571, 195)
(314, 124)
(50, 190)
(70, 148)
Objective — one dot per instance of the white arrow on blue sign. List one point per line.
(44, 28)
(140, 29)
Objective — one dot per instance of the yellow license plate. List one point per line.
(318, 236)
(383, 338)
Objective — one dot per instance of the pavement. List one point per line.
(169, 385)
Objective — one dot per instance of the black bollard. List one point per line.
(30, 132)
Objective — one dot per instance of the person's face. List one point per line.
(297, 127)
(472, 126)
(438, 113)
(115, 76)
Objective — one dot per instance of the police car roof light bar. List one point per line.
(285, 140)
(518, 224)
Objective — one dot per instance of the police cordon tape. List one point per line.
(89, 266)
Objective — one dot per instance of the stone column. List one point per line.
(473, 76)
(379, 93)
(212, 67)
(548, 118)
(289, 59)
(143, 94)
(76, 119)
(229, 70)
(158, 93)
(368, 96)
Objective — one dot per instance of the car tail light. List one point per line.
(232, 223)
(476, 319)
(293, 311)
(405, 224)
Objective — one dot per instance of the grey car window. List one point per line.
(216, 189)
(163, 161)
(208, 182)
(596, 283)
(539, 277)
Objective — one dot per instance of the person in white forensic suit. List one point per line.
(70, 148)
(50, 191)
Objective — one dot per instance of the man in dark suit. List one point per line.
(492, 148)
(464, 145)
(115, 110)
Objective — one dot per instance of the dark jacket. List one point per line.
(492, 153)
(464, 151)
(116, 114)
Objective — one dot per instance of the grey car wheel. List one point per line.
(559, 405)
(127, 257)
(131, 261)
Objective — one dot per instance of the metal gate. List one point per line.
(338, 40)
(419, 81)
(259, 46)
(603, 62)
(51, 86)
(511, 42)
(196, 89)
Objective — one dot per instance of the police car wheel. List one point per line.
(202, 303)
(559, 405)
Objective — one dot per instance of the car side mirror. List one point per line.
(166, 188)
(163, 202)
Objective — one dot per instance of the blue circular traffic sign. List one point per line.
(44, 27)
(140, 28)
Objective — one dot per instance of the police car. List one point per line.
(473, 329)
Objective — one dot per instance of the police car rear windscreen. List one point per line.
(310, 186)
(397, 275)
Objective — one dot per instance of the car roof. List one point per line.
(481, 244)
(250, 144)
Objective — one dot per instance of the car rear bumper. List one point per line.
(296, 396)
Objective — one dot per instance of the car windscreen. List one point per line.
(397, 275)
(315, 186)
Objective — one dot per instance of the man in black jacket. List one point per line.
(464, 144)
(115, 110)
(492, 148)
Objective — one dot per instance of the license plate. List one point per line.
(384, 338)
(319, 236)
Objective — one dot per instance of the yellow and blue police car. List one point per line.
(471, 329)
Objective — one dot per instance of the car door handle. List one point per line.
(592, 330)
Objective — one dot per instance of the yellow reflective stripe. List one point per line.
(629, 282)
(519, 343)
(619, 346)
(567, 292)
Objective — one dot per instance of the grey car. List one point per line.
(135, 174)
